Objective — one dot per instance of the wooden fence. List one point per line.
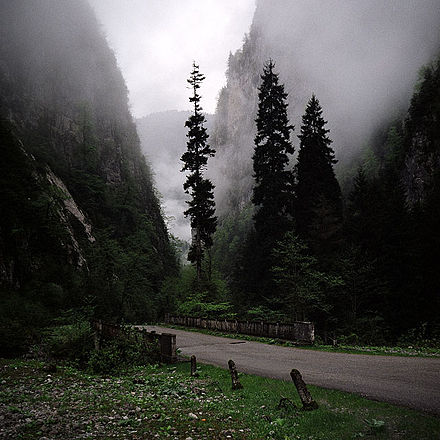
(299, 332)
(165, 341)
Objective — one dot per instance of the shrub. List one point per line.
(72, 342)
(126, 351)
(423, 336)
(20, 322)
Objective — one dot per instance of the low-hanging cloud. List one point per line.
(360, 57)
(156, 42)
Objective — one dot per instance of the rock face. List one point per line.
(359, 58)
(422, 139)
(69, 146)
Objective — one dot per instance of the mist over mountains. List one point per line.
(360, 58)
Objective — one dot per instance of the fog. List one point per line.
(156, 41)
(163, 139)
(361, 58)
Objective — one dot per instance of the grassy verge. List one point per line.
(351, 349)
(165, 403)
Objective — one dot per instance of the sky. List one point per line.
(156, 41)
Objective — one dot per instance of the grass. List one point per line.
(410, 351)
(165, 403)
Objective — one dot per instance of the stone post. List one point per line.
(236, 385)
(194, 367)
(168, 347)
(304, 394)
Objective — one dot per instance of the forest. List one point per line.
(360, 263)
(285, 225)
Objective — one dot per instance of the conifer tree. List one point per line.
(201, 206)
(273, 190)
(319, 203)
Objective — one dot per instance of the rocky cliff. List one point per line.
(75, 185)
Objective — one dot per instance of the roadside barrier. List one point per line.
(298, 332)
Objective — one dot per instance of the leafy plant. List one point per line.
(127, 350)
(72, 342)
(375, 425)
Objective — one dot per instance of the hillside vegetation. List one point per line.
(81, 225)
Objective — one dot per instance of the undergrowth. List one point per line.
(166, 403)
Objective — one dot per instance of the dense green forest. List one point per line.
(362, 265)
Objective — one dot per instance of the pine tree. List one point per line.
(273, 190)
(319, 202)
(201, 206)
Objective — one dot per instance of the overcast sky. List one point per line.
(156, 41)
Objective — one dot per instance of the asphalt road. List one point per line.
(411, 382)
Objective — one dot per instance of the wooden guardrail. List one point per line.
(165, 341)
(299, 332)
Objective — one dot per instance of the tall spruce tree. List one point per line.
(319, 203)
(201, 206)
(273, 190)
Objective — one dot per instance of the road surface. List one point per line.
(411, 382)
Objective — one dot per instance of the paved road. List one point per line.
(411, 382)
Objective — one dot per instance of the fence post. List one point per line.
(168, 347)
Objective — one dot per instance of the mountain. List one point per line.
(360, 59)
(81, 222)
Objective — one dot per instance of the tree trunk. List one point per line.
(198, 256)
(304, 394)
(209, 264)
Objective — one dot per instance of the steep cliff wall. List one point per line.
(65, 113)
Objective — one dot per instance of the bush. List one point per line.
(126, 351)
(20, 323)
(262, 313)
(423, 336)
(198, 306)
(73, 342)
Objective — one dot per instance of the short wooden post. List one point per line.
(236, 385)
(194, 367)
(304, 394)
